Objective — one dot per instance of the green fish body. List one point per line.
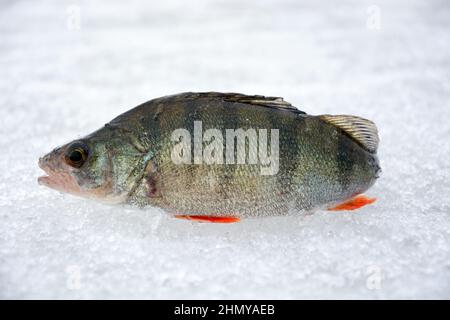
(220, 154)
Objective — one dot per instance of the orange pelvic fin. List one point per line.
(213, 219)
(354, 203)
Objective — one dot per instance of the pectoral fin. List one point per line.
(354, 203)
(213, 219)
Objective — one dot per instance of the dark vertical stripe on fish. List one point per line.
(231, 122)
(190, 116)
(283, 180)
(345, 161)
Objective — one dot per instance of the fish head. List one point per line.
(91, 167)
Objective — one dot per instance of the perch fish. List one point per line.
(220, 157)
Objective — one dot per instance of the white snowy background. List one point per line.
(68, 67)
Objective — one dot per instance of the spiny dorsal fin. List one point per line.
(361, 130)
(257, 100)
(273, 102)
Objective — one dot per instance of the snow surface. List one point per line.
(389, 62)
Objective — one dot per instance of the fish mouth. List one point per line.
(51, 179)
(45, 180)
(57, 178)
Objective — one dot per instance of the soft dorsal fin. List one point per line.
(257, 100)
(361, 130)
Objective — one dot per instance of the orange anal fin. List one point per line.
(213, 219)
(354, 203)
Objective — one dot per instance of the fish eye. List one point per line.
(76, 154)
